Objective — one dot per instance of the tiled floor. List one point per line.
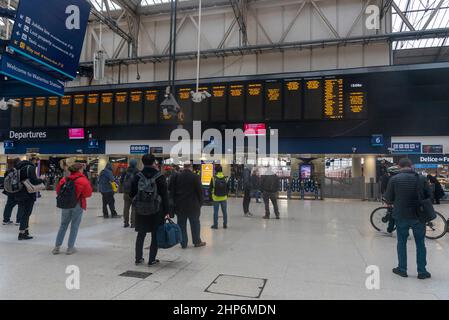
(318, 250)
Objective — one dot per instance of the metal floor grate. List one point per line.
(136, 274)
(237, 286)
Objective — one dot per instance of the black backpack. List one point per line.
(67, 198)
(147, 202)
(12, 182)
(128, 182)
(220, 187)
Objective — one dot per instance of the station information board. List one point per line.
(333, 99)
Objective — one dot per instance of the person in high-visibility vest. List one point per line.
(218, 189)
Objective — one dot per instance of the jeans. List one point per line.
(267, 196)
(72, 217)
(391, 221)
(224, 209)
(9, 206)
(419, 233)
(195, 227)
(246, 200)
(139, 246)
(128, 206)
(108, 200)
(24, 211)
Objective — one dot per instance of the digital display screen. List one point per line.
(39, 111)
(135, 107)
(27, 116)
(201, 110)
(79, 108)
(185, 102)
(255, 129)
(273, 101)
(293, 100)
(313, 99)
(65, 112)
(333, 99)
(76, 133)
(16, 114)
(306, 171)
(236, 104)
(356, 100)
(254, 102)
(106, 108)
(121, 108)
(151, 107)
(52, 111)
(92, 110)
(218, 103)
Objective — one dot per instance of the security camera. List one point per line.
(4, 105)
(170, 106)
(199, 97)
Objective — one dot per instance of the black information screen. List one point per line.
(273, 101)
(218, 103)
(121, 108)
(79, 109)
(356, 102)
(27, 113)
(16, 114)
(135, 107)
(292, 100)
(93, 101)
(40, 104)
(185, 102)
(254, 102)
(333, 99)
(151, 107)
(65, 111)
(52, 111)
(201, 110)
(236, 103)
(106, 109)
(313, 99)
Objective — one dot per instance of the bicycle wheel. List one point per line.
(437, 228)
(379, 219)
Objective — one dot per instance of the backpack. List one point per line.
(220, 187)
(12, 182)
(147, 202)
(168, 235)
(67, 198)
(270, 184)
(128, 182)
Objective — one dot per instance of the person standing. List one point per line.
(438, 192)
(10, 202)
(107, 192)
(24, 199)
(149, 222)
(246, 191)
(218, 188)
(187, 193)
(255, 185)
(126, 181)
(270, 187)
(402, 194)
(72, 216)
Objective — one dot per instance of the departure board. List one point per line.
(273, 101)
(356, 100)
(79, 108)
(65, 111)
(254, 102)
(106, 109)
(333, 99)
(121, 108)
(52, 111)
(313, 99)
(236, 104)
(40, 104)
(92, 110)
(201, 110)
(218, 103)
(27, 113)
(185, 102)
(135, 107)
(16, 114)
(151, 106)
(292, 100)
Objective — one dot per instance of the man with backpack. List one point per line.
(218, 188)
(270, 187)
(12, 186)
(126, 181)
(107, 192)
(187, 193)
(72, 193)
(150, 202)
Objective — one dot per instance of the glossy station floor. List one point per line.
(317, 250)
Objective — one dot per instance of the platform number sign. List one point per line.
(406, 147)
(139, 149)
(377, 140)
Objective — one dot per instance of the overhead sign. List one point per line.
(27, 135)
(377, 140)
(51, 32)
(8, 145)
(76, 133)
(255, 129)
(432, 149)
(156, 150)
(139, 149)
(207, 172)
(17, 70)
(406, 147)
(430, 159)
(93, 144)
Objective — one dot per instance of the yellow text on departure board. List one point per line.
(274, 94)
(40, 102)
(121, 97)
(92, 99)
(293, 86)
(184, 94)
(151, 95)
(255, 89)
(236, 91)
(106, 98)
(136, 96)
(313, 84)
(218, 92)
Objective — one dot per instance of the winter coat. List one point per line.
(83, 188)
(151, 223)
(269, 183)
(187, 193)
(105, 179)
(27, 171)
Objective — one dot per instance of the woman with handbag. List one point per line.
(26, 197)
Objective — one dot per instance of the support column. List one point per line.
(356, 170)
(102, 161)
(369, 168)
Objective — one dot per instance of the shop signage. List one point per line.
(377, 140)
(432, 149)
(27, 135)
(55, 43)
(406, 147)
(139, 149)
(156, 150)
(430, 159)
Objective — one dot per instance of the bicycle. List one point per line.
(435, 229)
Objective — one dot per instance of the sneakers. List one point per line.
(7, 223)
(140, 261)
(400, 273)
(214, 227)
(71, 251)
(248, 214)
(152, 263)
(201, 244)
(24, 236)
(425, 275)
(225, 226)
(266, 217)
(126, 225)
(56, 250)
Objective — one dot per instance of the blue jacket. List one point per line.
(105, 179)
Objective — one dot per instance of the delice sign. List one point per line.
(51, 32)
(27, 135)
(437, 159)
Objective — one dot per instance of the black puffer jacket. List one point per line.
(402, 193)
(27, 171)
